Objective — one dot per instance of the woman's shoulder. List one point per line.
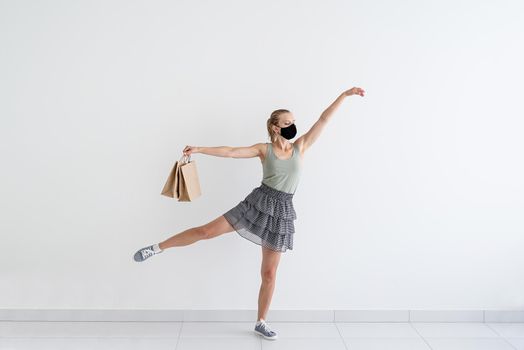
(264, 147)
(299, 145)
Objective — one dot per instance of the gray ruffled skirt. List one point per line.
(265, 217)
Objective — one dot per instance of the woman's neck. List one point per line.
(283, 144)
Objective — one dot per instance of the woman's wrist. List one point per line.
(353, 91)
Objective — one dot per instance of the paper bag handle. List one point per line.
(183, 157)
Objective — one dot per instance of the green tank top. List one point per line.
(281, 174)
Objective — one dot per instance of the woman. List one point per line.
(266, 216)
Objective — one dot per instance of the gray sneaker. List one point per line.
(145, 253)
(262, 328)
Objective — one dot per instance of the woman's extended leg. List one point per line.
(268, 271)
(212, 229)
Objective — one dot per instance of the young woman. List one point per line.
(266, 216)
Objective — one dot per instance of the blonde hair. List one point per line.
(273, 120)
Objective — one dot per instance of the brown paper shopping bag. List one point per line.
(188, 182)
(171, 187)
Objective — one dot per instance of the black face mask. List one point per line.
(288, 132)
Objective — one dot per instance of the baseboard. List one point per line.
(273, 315)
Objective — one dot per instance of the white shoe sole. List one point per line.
(265, 336)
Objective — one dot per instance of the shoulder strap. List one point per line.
(268, 150)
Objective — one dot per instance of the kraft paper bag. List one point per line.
(188, 182)
(171, 187)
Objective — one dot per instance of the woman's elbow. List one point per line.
(229, 152)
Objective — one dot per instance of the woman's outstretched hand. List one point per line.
(354, 91)
(189, 149)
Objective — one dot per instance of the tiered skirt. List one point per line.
(265, 217)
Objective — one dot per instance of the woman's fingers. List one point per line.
(355, 91)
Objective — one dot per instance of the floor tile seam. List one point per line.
(420, 335)
(340, 334)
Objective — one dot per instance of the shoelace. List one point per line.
(147, 252)
(266, 327)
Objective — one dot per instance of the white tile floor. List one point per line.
(239, 335)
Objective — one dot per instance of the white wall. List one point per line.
(412, 198)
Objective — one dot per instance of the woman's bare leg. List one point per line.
(212, 229)
(268, 271)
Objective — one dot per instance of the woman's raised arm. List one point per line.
(311, 136)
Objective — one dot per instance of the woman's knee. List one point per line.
(206, 231)
(269, 275)
(215, 228)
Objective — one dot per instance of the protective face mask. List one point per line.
(288, 132)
